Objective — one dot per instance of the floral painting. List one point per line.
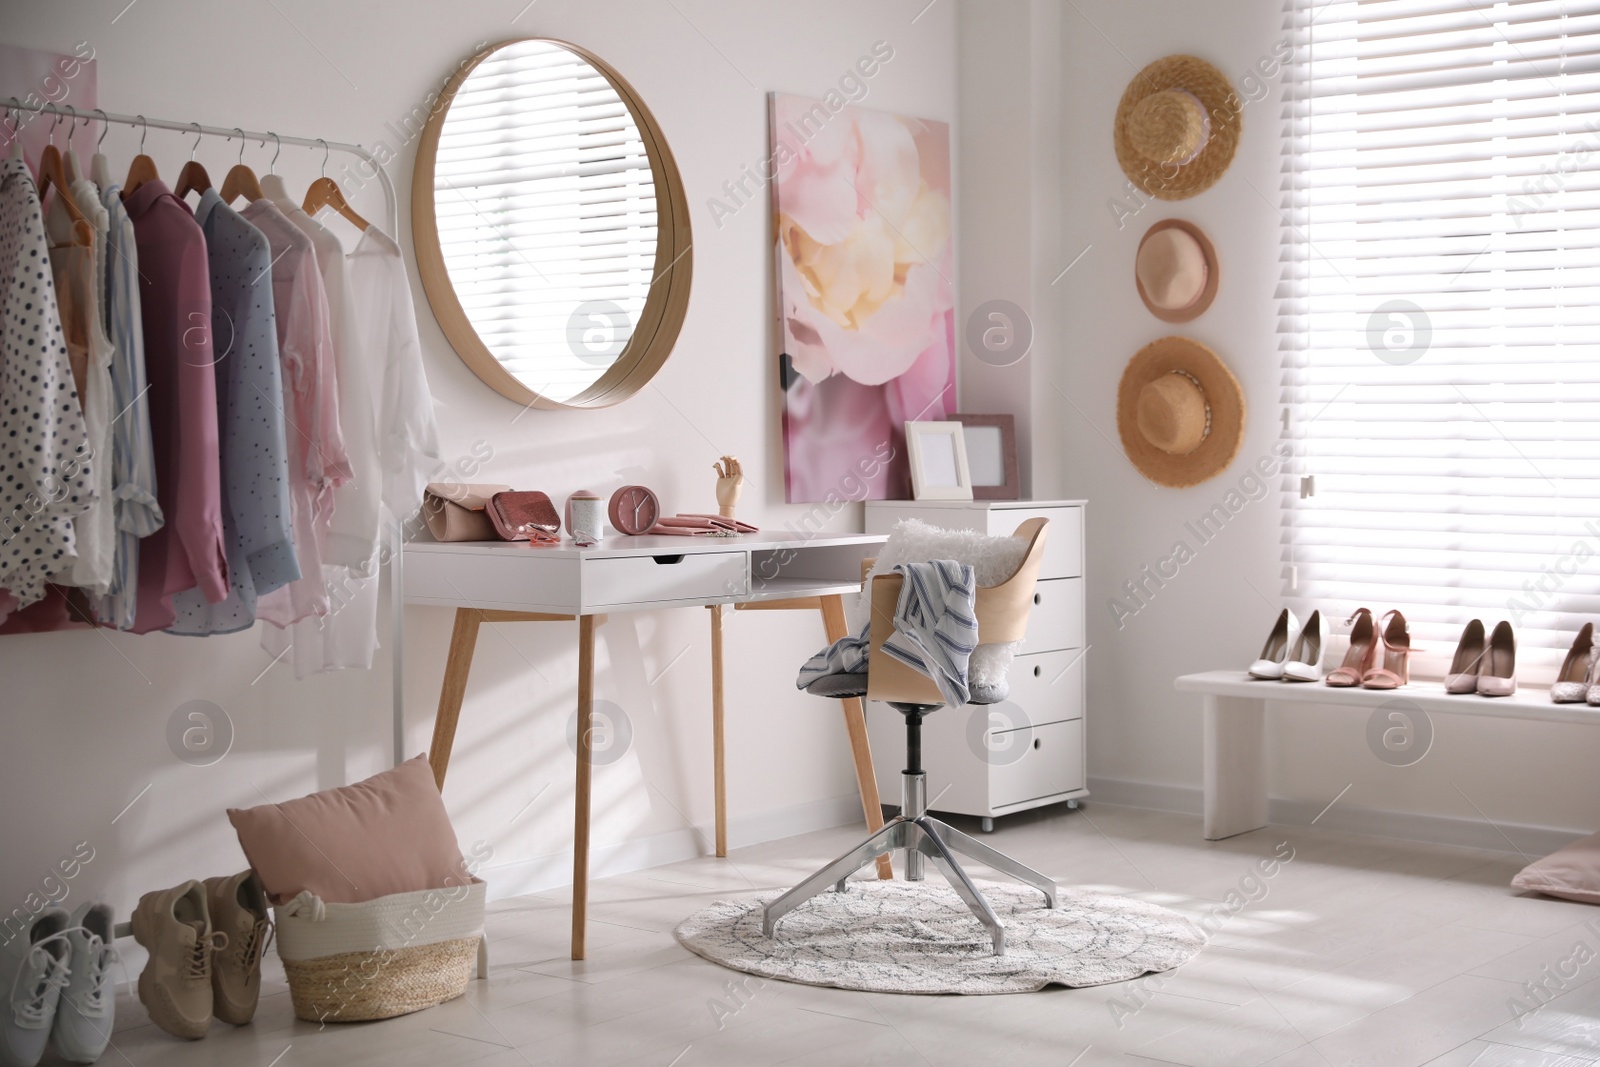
(865, 298)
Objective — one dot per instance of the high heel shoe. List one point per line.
(1573, 682)
(1396, 669)
(1463, 674)
(1269, 667)
(1360, 656)
(1498, 678)
(1305, 654)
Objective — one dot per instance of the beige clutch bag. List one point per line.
(455, 511)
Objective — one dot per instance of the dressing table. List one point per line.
(492, 581)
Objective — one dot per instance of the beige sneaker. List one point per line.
(175, 986)
(238, 907)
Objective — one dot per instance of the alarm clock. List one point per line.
(633, 510)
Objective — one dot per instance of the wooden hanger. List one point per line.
(241, 180)
(325, 192)
(142, 169)
(193, 177)
(51, 172)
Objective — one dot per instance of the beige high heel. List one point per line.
(1577, 670)
(1360, 656)
(1396, 669)
(1499, 675)
(1463, 674)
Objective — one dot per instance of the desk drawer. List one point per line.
(663, 577)
(1056, 621)
(1063, 545)
(1048, 686)
(1051, 762)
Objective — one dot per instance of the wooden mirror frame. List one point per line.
(664, 308)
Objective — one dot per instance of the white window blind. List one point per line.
(546, 212)
(1440, 313)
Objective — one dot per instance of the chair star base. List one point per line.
(920, 835)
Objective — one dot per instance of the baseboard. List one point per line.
(554, 870)
(1514, 838)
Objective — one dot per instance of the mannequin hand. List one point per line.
(730, 480)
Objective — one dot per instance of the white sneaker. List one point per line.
(1269, 667)
(88, 1005)
(33, 970)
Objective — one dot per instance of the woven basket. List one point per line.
(382, 958)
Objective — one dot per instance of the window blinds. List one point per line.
(567, 212)
(1439, 313)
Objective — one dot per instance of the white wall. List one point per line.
(85, 714)
(1217, 611)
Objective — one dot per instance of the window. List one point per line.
(1440, 313)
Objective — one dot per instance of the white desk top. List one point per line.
(1526, 703)
(625, 573)
(615, 545)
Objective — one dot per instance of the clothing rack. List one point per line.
(392, 217)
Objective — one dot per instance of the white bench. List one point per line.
(1235, 707)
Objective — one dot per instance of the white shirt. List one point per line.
(407, 434)
(45, 469)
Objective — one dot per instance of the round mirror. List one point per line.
(551, 227)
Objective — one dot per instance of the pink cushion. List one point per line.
(1573, 872)
(388, 834)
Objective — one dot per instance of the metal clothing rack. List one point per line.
(392, 217)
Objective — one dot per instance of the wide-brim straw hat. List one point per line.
(1177, 127)
(1180, 412)
(1175, 271)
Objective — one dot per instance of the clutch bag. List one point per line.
(454, 511)
(526, 515)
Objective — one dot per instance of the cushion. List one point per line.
(388, 834)
(839, 686)
(993, 559)
(1573, 872)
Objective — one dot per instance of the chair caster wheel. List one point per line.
(988, 825)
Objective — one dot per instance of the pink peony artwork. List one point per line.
(865, 300)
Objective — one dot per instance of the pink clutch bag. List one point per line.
(525, 516)
(701, 526)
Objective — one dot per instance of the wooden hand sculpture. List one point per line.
(730, 480)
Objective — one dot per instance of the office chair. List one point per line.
(1002, 613)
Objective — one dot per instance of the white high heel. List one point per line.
(1305, 654)
(1269, 668)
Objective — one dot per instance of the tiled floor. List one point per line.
(1357, 951)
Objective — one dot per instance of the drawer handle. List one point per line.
(1037, 671)
(1038, 598)
(1035, 742)
(669, 559)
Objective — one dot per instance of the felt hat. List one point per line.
(1180, 412)
(1177, 127)
(1176, 271)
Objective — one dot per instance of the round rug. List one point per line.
(919, 937)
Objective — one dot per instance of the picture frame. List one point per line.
(937, 452)
(991, 443)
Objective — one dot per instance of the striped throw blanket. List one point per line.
(935, 631)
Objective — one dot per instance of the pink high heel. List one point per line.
(1396, 669)
(1360, 656)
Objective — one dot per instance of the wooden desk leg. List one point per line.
(463, 639)
(718, 752)
(580, 821)
(1235, 766)
(855, 724)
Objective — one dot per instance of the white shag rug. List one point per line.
(919, 937)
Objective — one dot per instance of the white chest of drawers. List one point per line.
(1026, 751)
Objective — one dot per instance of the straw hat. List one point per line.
(1177, 127)
(1176, 271)
(1180, 412)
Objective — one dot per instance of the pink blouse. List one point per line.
(175, 297)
